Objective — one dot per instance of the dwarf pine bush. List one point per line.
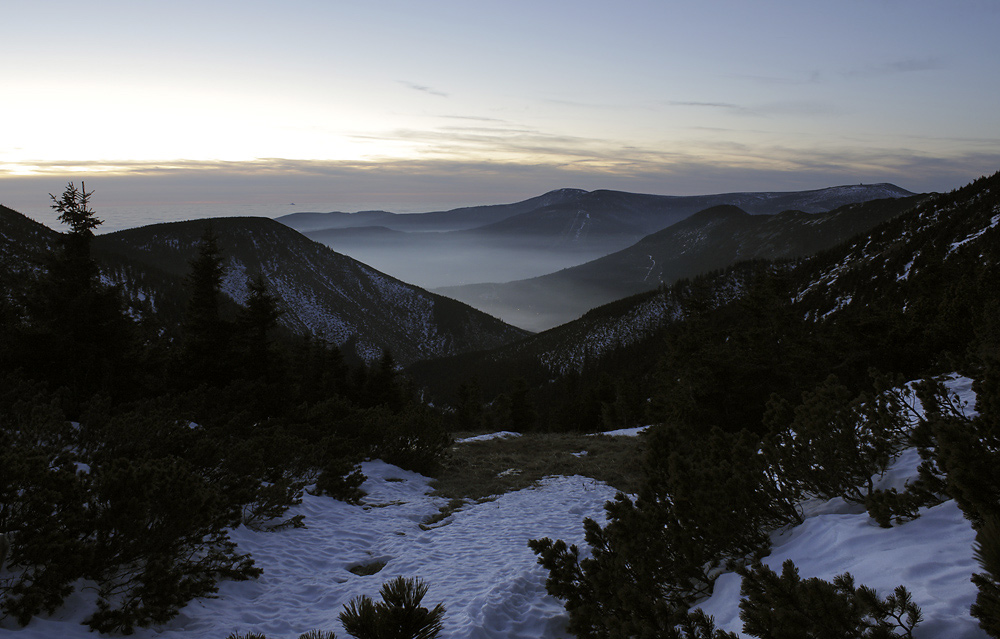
(786, 606)
(398, 616)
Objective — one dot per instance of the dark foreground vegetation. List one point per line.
(768, 398)
(125, 457)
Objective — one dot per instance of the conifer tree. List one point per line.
(987, 605)
(382, 386)
(470, 414)
(77, 332)
(522, 412)
(41, 504)
(660, 552)
(255, 325)
(788, 607)
(205, 356)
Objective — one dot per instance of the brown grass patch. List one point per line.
(477, 470)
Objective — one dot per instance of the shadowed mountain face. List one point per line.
(706, 241)
(322, 293)
(554, 231)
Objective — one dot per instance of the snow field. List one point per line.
(476, 562)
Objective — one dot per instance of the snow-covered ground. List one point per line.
(503, 434)
(478, 564)
(930, 556)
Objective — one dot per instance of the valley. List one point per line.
(557, 230)
(302, 396)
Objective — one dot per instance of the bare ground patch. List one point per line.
(478, 470)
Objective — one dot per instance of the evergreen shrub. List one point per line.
(787, 607)
(834, 442)
(662, 551)
(398, 616)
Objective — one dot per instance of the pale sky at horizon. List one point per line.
(414, 106)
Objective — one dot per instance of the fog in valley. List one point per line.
(433, 260)
(546, 261)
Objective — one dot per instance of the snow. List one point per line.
(503, 434)
(624, 432)
(930, 556)
(957, 245)
(905, 275)
(476, 562)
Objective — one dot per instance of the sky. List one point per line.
(414, 106)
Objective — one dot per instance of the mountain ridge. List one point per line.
(944, 233)
(710, 239)
(534, 237)
(322, 293)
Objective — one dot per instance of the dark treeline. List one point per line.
(128, 448)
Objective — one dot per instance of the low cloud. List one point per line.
(432, 183)
(486, 160)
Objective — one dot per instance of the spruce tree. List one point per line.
(205, 357)
(470, 415)
(255, 326)
(76, 331)
(382, 387)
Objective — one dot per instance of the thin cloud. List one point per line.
(710, 105)
(769, 109)
(909, 65)
(474, 118)
(492, 159)
(812, 77)
(427, 183)
(424, 89)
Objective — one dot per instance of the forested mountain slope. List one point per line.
(708, 240)
(908, 281)
(322, 292)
